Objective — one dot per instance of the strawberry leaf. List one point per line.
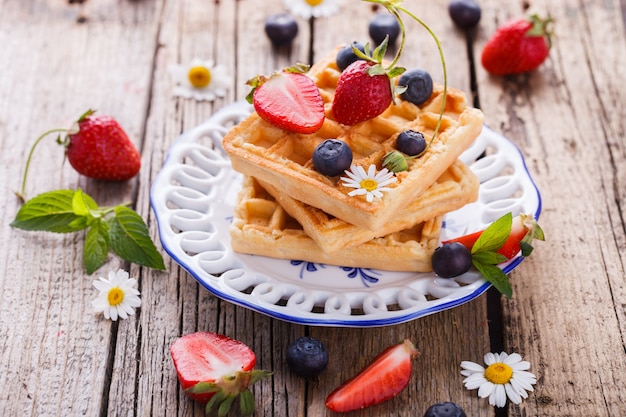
(495, 235)
(52, 212)
(495, 276)
(131, 241)
(246, 403)
(97, 245)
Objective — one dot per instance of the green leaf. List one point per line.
(224, 407)
(495, 275)
(83, 204)
(97, 246)
(215, 401)
(203, 388)
(489, 257)
(259, 374)
(131, 241)
(52, 212)
(526, 247)
(246, 403)
(495, 235)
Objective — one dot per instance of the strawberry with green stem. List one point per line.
(96, 146)
(392, 159)
(215, 369)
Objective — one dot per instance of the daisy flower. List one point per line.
(371, 184)
(200, 80)
(118, 296)
(312, 8)
(505, 376)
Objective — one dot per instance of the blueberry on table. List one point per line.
(464, 13)
(451, 260)
(346, 55)
(332, 157)
(382, 25)
(411, 142)
(281, 28)
(307, 357)
(419, 86)
(445, 409)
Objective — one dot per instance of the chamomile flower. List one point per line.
(312, 8)
(505, 376)
(371, 184)
(200, 80)
(118, 295)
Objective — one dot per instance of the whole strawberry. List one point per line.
(520, 45)
(101, 149)
(364, 88)
(96, 147)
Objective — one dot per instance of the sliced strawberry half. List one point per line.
(288, 99)
(214, 368)
(524, 229)
(387, 375)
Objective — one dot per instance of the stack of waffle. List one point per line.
(286, 209)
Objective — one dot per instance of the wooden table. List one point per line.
(567, 316)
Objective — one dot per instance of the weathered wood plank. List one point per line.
(568, 120)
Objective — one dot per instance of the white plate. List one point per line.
(193, 198)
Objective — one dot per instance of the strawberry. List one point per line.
(96, 147)
(364, 88)
(382, 379)
(101, 149)
(360, 95)
(288, 99)
(215, 369)
(524, 229)
(520, 45)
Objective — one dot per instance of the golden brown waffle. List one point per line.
(284, 159)
(262, 227)
(455, 188)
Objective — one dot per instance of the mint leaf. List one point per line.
(131, 241)
(82, 204)
(495, 235)
(495, 275)
(97, 246)
(489, 257)
(52, 212)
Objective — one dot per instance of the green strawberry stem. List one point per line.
(393, 6)
(22, 193)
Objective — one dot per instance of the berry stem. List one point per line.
(21, 194)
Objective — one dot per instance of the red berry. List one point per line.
(102, 150)
(520, 45)
(387, 375)
(290, 101)
(360, 96)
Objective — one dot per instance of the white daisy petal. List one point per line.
(117, 295)
(307, 9)
(505, 377)
(368, 183)
(218, 80)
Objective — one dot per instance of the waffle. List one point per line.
(455, 188)
(262, 227)
(283, 159)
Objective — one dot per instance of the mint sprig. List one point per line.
(485, 257)
(116, 228)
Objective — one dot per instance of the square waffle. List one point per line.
(456, 187)
(262, 227)
(284, 159)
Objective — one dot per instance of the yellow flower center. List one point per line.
(314, 3)
(115, 296)
(369, 184)
(199, 77)
(499, 373)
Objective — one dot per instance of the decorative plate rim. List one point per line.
(233, 113)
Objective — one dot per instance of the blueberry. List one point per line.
(281, 28)
(307, 357)
(346, 56)
(446, 409)
(464, 13)
(411, 142)
(332, 157)
(419, 86)
(451, 260)
(384, 24)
